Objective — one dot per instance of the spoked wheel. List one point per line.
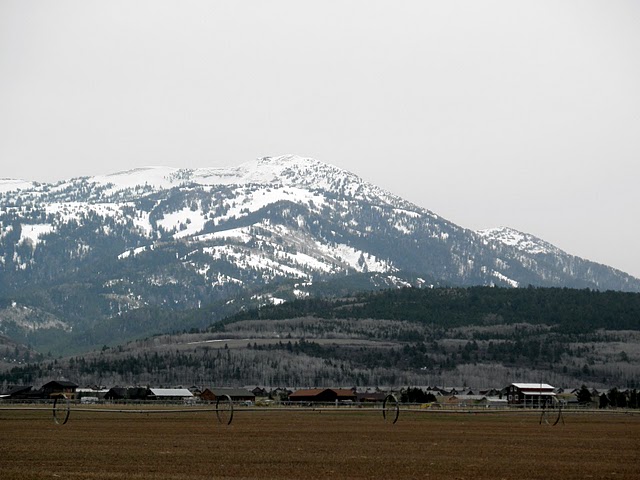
(61, 410)
(544, 412)
(224, 409)
(559, 417)
(390, 408)
(551, 411)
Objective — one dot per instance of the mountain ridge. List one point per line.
(267, 231)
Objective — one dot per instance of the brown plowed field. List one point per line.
(316, 445)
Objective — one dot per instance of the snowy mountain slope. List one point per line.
(8, 185)
(555, 266)
(99, 247)
(524, 242)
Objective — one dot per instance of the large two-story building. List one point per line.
(530, 394)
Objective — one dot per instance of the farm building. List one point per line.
(195, 390)
(126, 393)
(280, 393)
(371, 397)
(459, 391)
(236, 394)
(260, 392)
(14, 392)
(92, 392)
(492, 392)
(472, 401)
(58, 388)
(529, 394)
(323, 395)
(169, 394)
(462, 400)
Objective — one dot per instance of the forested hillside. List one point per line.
(479, 337)
(566, 310)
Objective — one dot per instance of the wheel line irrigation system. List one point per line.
(551, 413)
(223, 409)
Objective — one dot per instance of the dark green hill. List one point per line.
(567, 310)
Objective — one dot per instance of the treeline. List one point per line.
(229, 367)
(568, 310)
(620, 399)
(439, 357)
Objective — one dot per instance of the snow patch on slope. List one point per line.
(32, 233)
(186, 222)
(250, 201)
(136, 251)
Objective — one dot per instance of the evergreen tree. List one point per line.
(584, 395)
(604, 401)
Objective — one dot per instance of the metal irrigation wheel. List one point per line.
(549, 408)
(544, 413)
(61, 410)
(559, 417)
(224, 409)
(391, 408)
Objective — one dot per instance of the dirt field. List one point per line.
(313, 445)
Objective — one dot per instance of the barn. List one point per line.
(14, 392)
(529, 394)
(169, 394)
(126, 393)
(59, 388)
(236, 394)
(371, 397)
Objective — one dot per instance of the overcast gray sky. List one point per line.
(516, 113)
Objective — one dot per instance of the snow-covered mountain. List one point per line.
(92, 248)
(524, 242)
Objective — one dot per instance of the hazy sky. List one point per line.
(489, 113)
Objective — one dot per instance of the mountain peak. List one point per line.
(522, 241)
(158, 177)
(287, 160)
(11, 184)
(264, 170)
(279, 169)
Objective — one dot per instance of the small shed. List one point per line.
(495, 401)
